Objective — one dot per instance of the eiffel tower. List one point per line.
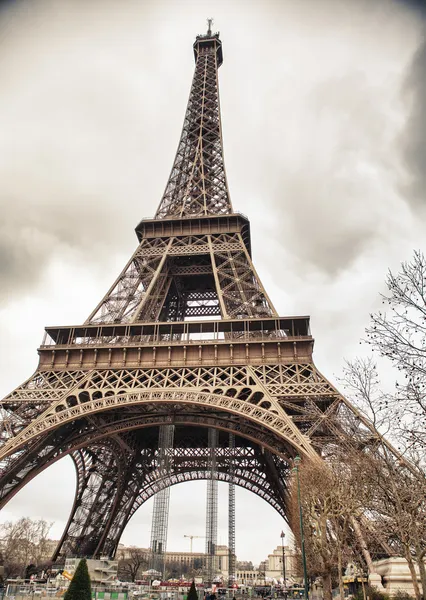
(186, 336)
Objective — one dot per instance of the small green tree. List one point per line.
(192, 594)
(80, 588)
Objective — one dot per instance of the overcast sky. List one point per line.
(324, 132)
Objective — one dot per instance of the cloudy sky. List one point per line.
(324, 131)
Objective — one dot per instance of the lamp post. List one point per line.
(284, 577)
(302, 537)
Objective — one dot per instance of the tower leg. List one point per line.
(131, 481)
(160, 515)
(97, 474)
(231, 513)
(211, 511)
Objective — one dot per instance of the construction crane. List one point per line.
(191, 537)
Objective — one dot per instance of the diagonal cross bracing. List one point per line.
(197, 184)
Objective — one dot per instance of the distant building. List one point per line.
(244, 565)
(250, 577)
(222, 554)
(48, 547)
(125, 552)
(102, 571)
(274, 564)
(263, 566)
(188, 560)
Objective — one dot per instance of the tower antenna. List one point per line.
(209, 23)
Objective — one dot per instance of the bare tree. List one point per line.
(23, 543)
(131, 568)
(398, 333)
(244, 565)
(393, 492)
(397, 509)
(174, 569)
(361, 381)
(372, 497)
(329, 502)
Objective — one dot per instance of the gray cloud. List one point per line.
(328, 208)
(414, 135)
(82, 123)
(331, 159)
(418, 5)
(74, 150)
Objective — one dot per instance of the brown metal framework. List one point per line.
(186, 337)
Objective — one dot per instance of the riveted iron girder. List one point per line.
(140, 474)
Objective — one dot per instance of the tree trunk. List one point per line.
(327, 586)
(364, 549)
(364, 595)
(339, 566)
(413, 574)
(420, 558)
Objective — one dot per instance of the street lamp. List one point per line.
(305, 575)
(284, 577)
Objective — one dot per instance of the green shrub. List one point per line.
(400, 595)
(372, 593)
(80, 588)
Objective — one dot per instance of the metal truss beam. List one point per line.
(143, 479)
(104, 425)
(197, 184)
(277, 396)
(97, 476)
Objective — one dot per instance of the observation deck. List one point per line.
(221, 342)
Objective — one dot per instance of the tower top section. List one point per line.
(197, 184)
(208, 42)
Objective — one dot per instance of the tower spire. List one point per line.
(209, 26)
(155, 284)
(197, 184)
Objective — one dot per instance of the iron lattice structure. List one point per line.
(160, 514)
(211, 508)
(231, 516)
(104, 390)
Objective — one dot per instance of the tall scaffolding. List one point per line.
(211, 513)
(231, 513)
(160, 514)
